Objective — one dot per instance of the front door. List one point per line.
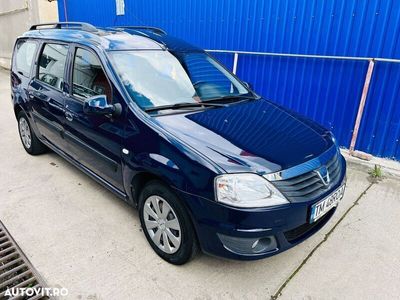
(94, 141)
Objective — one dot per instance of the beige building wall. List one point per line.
(16, 16)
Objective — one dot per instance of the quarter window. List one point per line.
(25, 52)
(52, 65)
(89, 78)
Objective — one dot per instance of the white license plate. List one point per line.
(322, 207)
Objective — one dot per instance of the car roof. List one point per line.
(113, 38)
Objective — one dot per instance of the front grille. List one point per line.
(303, 231)
(15, 269)
(308, 186)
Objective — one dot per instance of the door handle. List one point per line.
(31, 94)
(35, 94)
(69, 116)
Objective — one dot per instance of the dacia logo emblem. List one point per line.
(323, 174)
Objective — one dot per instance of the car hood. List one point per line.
(255, 136)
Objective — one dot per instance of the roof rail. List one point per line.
(66, 25)
(154, 29)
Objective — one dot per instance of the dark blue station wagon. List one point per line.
(162, 124)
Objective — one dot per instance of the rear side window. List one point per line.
(52, 65)
(88, 76)
(25, 52)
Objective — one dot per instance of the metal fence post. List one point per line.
(362, 104)
(65, 11)
(235, 62)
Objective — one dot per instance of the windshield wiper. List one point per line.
(230, 97)
(183, 105)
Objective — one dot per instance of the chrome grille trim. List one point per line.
(303, 168)
(309, 186)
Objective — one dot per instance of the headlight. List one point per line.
(247, 190)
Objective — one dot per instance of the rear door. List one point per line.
(47, 92)
(94, 141)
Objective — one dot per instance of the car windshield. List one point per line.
(159, 78)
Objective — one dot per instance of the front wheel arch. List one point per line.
(191, 248)
(138, 182)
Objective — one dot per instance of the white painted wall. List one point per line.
(16, 16)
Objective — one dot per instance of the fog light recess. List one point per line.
(248, 246)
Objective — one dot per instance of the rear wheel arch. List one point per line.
(17, 109)
(30, 141)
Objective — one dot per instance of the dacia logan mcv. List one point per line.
(162, 124)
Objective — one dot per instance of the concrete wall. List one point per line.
(16, 16)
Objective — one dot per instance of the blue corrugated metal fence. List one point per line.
(326, 90)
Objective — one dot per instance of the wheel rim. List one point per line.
(25, 132)
(162, 224)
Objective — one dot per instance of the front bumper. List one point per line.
(220, 228)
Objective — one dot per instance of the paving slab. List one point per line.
(361, 258)
(80, 236)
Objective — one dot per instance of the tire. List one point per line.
(29, 140)
(174, 252)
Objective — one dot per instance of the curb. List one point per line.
(390, 167)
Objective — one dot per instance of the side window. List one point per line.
(88, 76)
(25, 51)
(52, 65)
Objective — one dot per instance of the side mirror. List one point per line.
(97, 105)
(248, 85)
